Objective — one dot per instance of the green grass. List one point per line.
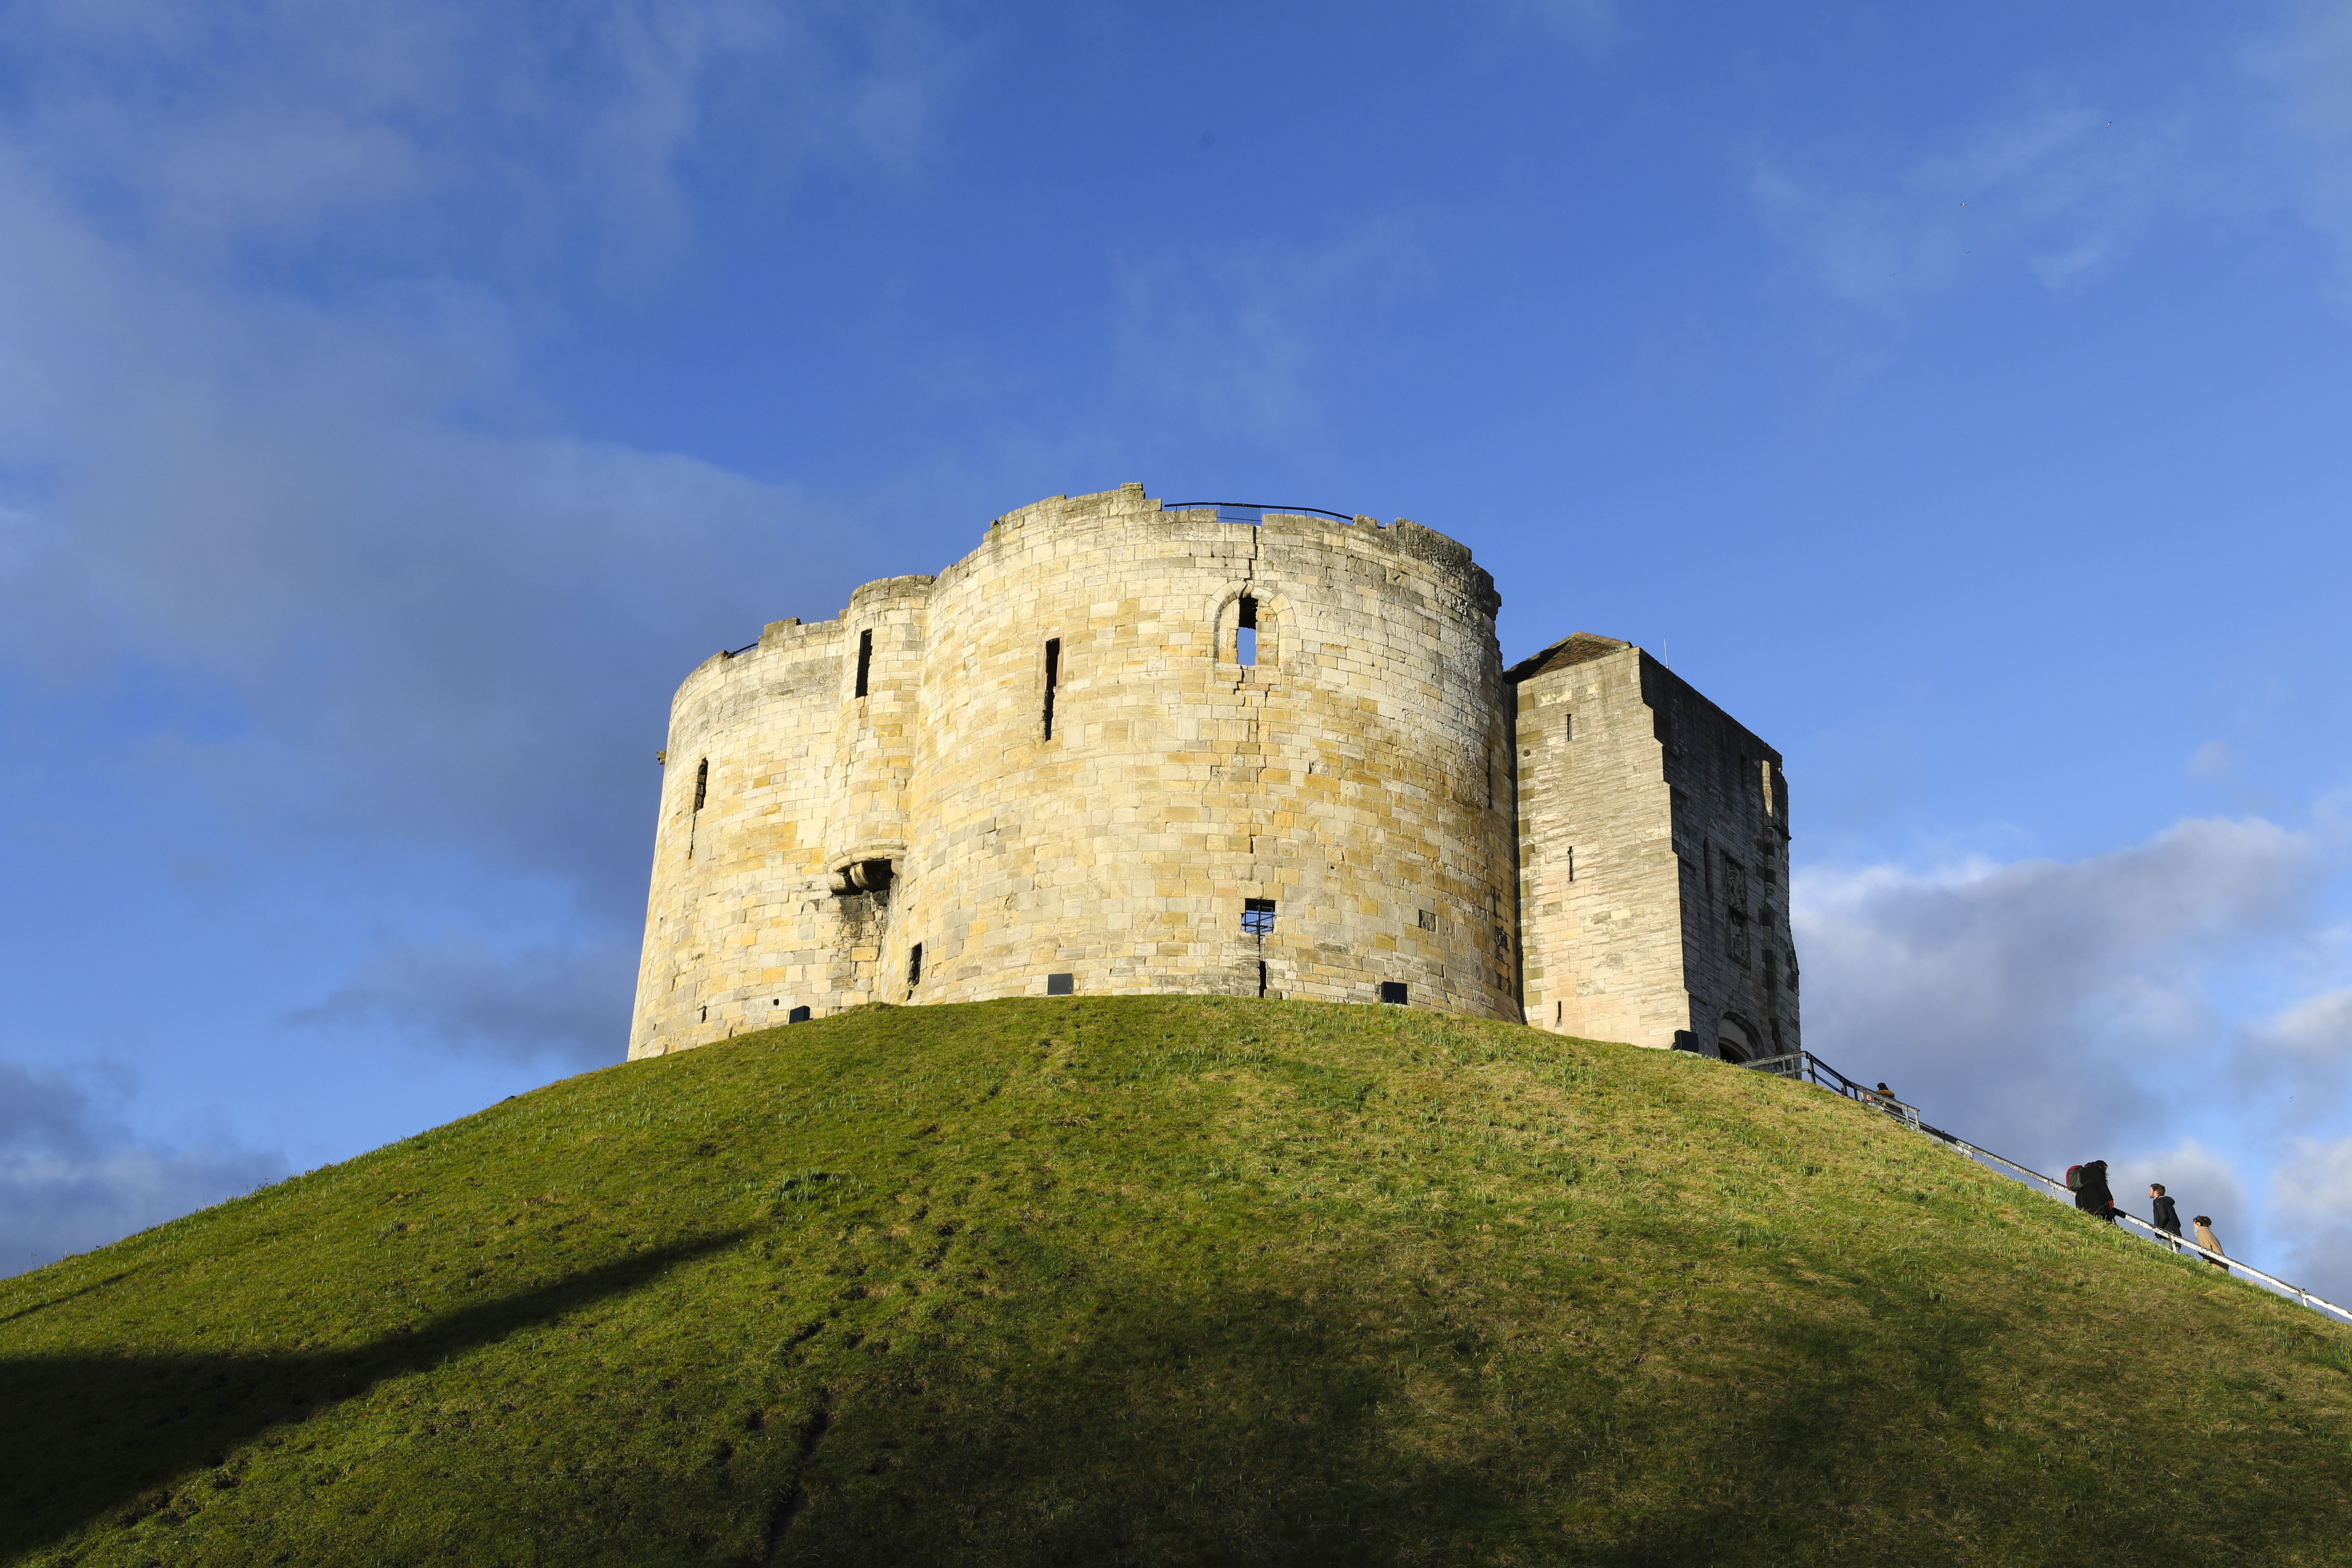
(1159, 1281)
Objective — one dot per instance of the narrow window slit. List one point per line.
(864, 658)
(1245, 631)
(1053, 680)
(701, 782)
(914, 966)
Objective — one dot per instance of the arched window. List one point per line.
(1731, 1042)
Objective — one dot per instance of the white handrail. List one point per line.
(1806, 1067)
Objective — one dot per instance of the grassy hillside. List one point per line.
(1158, 1282)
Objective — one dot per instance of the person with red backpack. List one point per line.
(2089, 1181)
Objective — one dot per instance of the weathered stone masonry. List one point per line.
(875, 809)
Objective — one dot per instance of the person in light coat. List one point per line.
(2210, 1242)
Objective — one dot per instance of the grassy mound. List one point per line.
(1159, 1281)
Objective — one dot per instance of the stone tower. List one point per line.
(1115, 750)
(1653, 873)
(1123, 750)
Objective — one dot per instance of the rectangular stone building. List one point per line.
(1653, 859)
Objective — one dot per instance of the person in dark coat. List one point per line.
(2168, 1218)
(2093, 1196)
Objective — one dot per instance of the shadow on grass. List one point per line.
(1258, 1430)
(87, 1434)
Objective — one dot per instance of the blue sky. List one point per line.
(397, 401)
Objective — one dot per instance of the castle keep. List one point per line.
(1119, 749)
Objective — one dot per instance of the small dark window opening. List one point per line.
(1257, 915)
(706, 1015)
(797, 1016)
(1053, 680)
(1428, 919)
(1246, 632)
(1571, 862)
(1060, 985)
(701, 782)
(864, 658)
(1490, 786)
(915, 965)
(1567, 726)
(1394, 993)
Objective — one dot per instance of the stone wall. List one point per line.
(1357, 776)
(1654, 866)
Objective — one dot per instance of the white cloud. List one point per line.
(2057, 1012)
(2198, 1181)
(272, 453)
(337, 522)
(2311, 1192)
(72, 1177)
(2298, 1061)
(2046, 1009)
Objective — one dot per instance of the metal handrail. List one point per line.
(1261, 508)
(1806, 1067)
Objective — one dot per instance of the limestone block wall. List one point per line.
(1598, 872)
(1357, 776)
(1654, 848)
(1730, 802)
(740, 912)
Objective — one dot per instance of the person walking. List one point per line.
(2091, 1195)
(2168, 1218)
(2092, 1192)
(2210, 1242)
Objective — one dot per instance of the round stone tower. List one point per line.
(1115, 750)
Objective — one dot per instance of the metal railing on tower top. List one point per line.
(1806, 1067)
(1250, 510)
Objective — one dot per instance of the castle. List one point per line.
(1121, 749)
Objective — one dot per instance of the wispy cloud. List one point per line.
(439, 136)
(72, 1176)
(2309, 63)
(2045, 188)
(1233, 335)
(463, 993)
